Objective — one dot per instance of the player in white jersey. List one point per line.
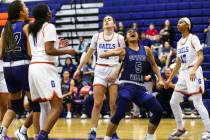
(104, 41)
(44, 80)
(3, 93)
(190, 81)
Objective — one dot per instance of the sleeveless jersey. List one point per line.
(20, 52)
(101, 45)
(134, 66)
(46, 33)
(187, 51)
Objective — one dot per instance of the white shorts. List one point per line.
(100, 76)
(188, 87)
(3, 86)
(44, 82)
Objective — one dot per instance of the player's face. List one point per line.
(108, 22)
(132, 35)
(182, 25)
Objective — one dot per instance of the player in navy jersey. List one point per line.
(132, 83)
(15, 53)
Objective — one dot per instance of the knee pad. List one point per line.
(17, 106)
(122, 107)
(156, 113)
(34, 106)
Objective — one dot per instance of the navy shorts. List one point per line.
(16, 78)
(134, 93)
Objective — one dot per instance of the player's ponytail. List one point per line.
(40, 14)
(9, 41)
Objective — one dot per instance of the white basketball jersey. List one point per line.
(47, 33)
(101, 45)
(1, 66)
(187, 49)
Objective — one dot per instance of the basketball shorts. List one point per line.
(16, 75)
(188, 87)
(100, 76)
(44, 82)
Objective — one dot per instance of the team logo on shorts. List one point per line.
(53, 83)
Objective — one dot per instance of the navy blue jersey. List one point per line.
(134, 65)
(20, 52)
(65, 86)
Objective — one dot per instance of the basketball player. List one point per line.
(104, 41)
(190, 81)
(15, 53)
(132, 87)
(4, 96)
(44, 80)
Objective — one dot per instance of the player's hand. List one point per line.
(76, 74)
(112, 77)
(193, 75)
(161, 83)
(147, 78)
(103, 55)
(166, 84)
(63, 43)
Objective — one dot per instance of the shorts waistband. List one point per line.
(51, 63)
(131, 82)
(16, 63)
(104, 65)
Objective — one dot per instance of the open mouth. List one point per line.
(133, 35)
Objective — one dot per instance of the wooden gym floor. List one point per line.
(77, 129)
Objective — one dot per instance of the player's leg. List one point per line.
(199, 106)
(149, 102)
(56, 108)
(99, 93)
(4, 99)
(126, 91)
(16, 107)
(113, 92)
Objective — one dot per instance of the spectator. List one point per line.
(134, 26)
(167, 32)
(121, 29)
(67, 92)
(165, 52)
(144, 41)
(165, 94)
(80, 48)
(156, 46)
(151, 32)
(207, 31)
(88, 73)
(69, 66)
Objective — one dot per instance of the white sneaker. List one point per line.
(68, 116)
(106, 116)
(84, 116)
(205, 136)
(177, 134)
(127, 116)
(20, 136)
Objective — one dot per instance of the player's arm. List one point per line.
(119, 51)
(25, 30)
(196, 44)
(175, 70)
(153, 63)
(1, 45)
(86, 58)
